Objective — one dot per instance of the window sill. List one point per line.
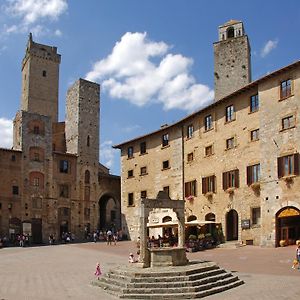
(141, 154)
(255, 226)
(208, 130)
(227, 122)
(209, 155)
(230, 190)
(164, 147)
(131, 205)
(130, 157)
(284, 98)
(144, 174)
(252, 141)
(252, 112)
(164, 169)
(130, 177)
(285, 129)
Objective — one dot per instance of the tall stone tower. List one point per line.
(232, 59)
(82, 120)
(40, 75)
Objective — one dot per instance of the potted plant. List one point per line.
(282, 243)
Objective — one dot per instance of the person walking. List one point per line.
(298, 255)
(109, 236)
(98, 271)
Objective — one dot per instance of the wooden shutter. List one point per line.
(204, 185)
(236, 179)
(249, 175)
(194, 183)
(214, 183)
(296, 163)
(279, 167)
(225, 184)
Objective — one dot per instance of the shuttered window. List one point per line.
(231, 179)
(288, 165)
(209, 184)
(253, 174)
(190, 188)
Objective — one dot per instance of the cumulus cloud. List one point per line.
(268, 47)
(143, 72)
(107, 154)
(6, 133)
(30, 13)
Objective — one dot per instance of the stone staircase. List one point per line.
(184, 282)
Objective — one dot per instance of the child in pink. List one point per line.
(98, 271)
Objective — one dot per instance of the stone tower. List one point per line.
(82, 120)
(40, 75)
(232, 59)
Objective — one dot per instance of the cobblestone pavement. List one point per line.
(65, 271)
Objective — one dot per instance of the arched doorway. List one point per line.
(191, 230)
(230, 32)
(232, 220)
(288, 225)
(110, 213)
(167, 230)
(210, 217)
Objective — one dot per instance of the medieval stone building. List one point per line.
(235, 162)
(51, 180)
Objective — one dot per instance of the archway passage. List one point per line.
(110, 213)
(288, 225)
(232, 220)
(230, 32)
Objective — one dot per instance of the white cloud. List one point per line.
(29, 14)
(6, 133)
(30, 11)
(143, 71)
(268, 47)
(107, 154)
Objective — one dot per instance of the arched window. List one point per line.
(88, 141)
(87, 176)
(230, 32)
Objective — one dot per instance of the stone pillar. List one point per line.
(181, 228)
(144, 255)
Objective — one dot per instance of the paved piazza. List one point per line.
(66, 271)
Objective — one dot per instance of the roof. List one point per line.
(11, 150)
(230, 22)
(235, 93)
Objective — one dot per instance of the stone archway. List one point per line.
(109, 213)
(232, 220)
(288, 225)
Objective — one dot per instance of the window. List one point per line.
(36, 203)
(13, 158)
(166, 164)
(208, 150)
(87, 212)
(36, 156)
(166, 189)
(230, 179)
(130, 199)
(254, 103)
(208, 123)
(143, 148)
(255, 216)
(285, 88)
(130, 173)
(288, 122)
(190, 188)
(36, 129)
(15, 190)
(165, 140)
(209, 184)
(230, 32)
(253, 174)
(254, 135)
(143, 170)
(36, 181)
(87, 193)
(143, 194)
(65, 211)
(288, 165)
(87, 177)
(64, 166)
(230, 115)
(230, 143)
(190, 157)
(64, 191)
(130, 152)
(88, 141)
(190, 131)
(44, 73)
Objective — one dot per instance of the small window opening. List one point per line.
(44, 73)
(230, 32)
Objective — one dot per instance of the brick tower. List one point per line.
(232, 59)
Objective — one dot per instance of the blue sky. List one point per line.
(153, 59)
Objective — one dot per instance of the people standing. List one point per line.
(109, 236)
(298, 255)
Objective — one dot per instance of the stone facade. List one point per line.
(53, 179)
(235, 162)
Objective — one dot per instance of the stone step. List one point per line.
(193, 295)
(205, 285)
